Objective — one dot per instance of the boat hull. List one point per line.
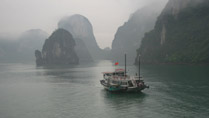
(112, 88)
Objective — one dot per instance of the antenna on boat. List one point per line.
(139, 65)
(125, 64)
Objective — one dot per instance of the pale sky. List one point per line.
(17, 16)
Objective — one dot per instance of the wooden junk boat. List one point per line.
(119, 81)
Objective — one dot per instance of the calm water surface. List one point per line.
(176, 91)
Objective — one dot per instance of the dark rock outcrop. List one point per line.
(180, 34)
(58, 49)
(80, 27)
(128, 37)
(39, 59)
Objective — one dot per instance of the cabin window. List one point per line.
(130, 83)
(107, 74)
(115, 82)
(119, 73)
(137, 81)
(124, 83)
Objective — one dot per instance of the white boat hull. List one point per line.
(119, 88)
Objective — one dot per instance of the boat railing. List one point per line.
(136, 77)
(127, 77)
(121, 77)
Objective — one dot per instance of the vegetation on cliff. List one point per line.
(181, 37)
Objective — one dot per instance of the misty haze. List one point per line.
(104, 58)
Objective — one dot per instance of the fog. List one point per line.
(106, 16)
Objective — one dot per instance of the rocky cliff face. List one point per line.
(180, 34)
(174, 7)
(58, 49)
(128, 37)
(82, 51)
(39, 59)
(80, 27)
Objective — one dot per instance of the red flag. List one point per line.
(116, 63)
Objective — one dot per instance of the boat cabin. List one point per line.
(116, 74)
(118, 77)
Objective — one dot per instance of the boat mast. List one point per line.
(125, 64)
(139, 65)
